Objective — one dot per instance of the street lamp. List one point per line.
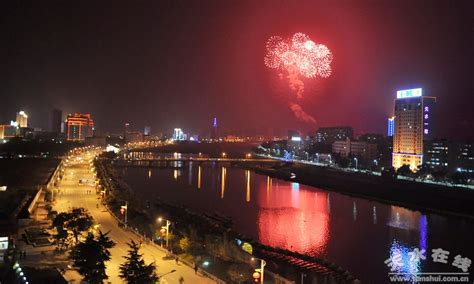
(224, 154)
(330, 159)
(260, 270)
(317, 155)
(167, 227)
(355, 159)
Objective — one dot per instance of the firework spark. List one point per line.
(299, 56)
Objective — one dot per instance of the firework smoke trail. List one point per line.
(299, 56)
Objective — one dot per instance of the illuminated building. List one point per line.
(367, 151)
(436, 154)
(22, 119)
(390, 126)
(413, 125)
(462, 157)
(8, 131)
(448, 156)
(147, 130)
(327, 135)
(79, 126)
(214, 134)
(293, 133)
(56, 120)
(127, 128)
(178, 135)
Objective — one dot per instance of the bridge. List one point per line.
(181, 162)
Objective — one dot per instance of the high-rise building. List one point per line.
(462, 157)
(436, 154)
(126, 128)
(413, 125)
(178, 135)
(365, 150)
(214, 134)
(56, 120)
(22, 119)
(390, 126)
(79, 126)
(327, 135)
(147, 130)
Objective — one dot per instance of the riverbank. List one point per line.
(419, 196)
(212, 238)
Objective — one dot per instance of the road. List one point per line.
(73, 194)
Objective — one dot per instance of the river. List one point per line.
(357, 234)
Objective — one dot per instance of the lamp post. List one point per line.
(317, 156)
(355, 159)
(124, 210)
(260, 270)
(167, 228)
(302, 277)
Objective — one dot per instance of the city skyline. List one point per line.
(167, 66)
(236, 141)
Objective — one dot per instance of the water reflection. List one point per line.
(190, 173)
(223, 178)
(402, 256)
(269, 185)
(293, 219)
(149, 173)
(374, 215)
(199, 177)
(354, 211)
(247, 182)
(403, 260)
(296, 217)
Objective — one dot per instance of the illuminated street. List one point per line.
(270, 142)
(74, 194)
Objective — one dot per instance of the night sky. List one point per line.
(179, 63)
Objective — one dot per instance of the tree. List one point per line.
(61, 238)
(134, 270)
(404, 170)
(239, 272)
(89, 257)
(423, 171)
(77, 221)
(184, 244)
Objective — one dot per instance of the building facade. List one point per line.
(8, 132)
(437, 154)
(22, 119)
(79, 126)
(214, 129)
(390, 126)
(327, 135)
(363, 149)
(56, 120)
(413, 125)
(462, 157)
